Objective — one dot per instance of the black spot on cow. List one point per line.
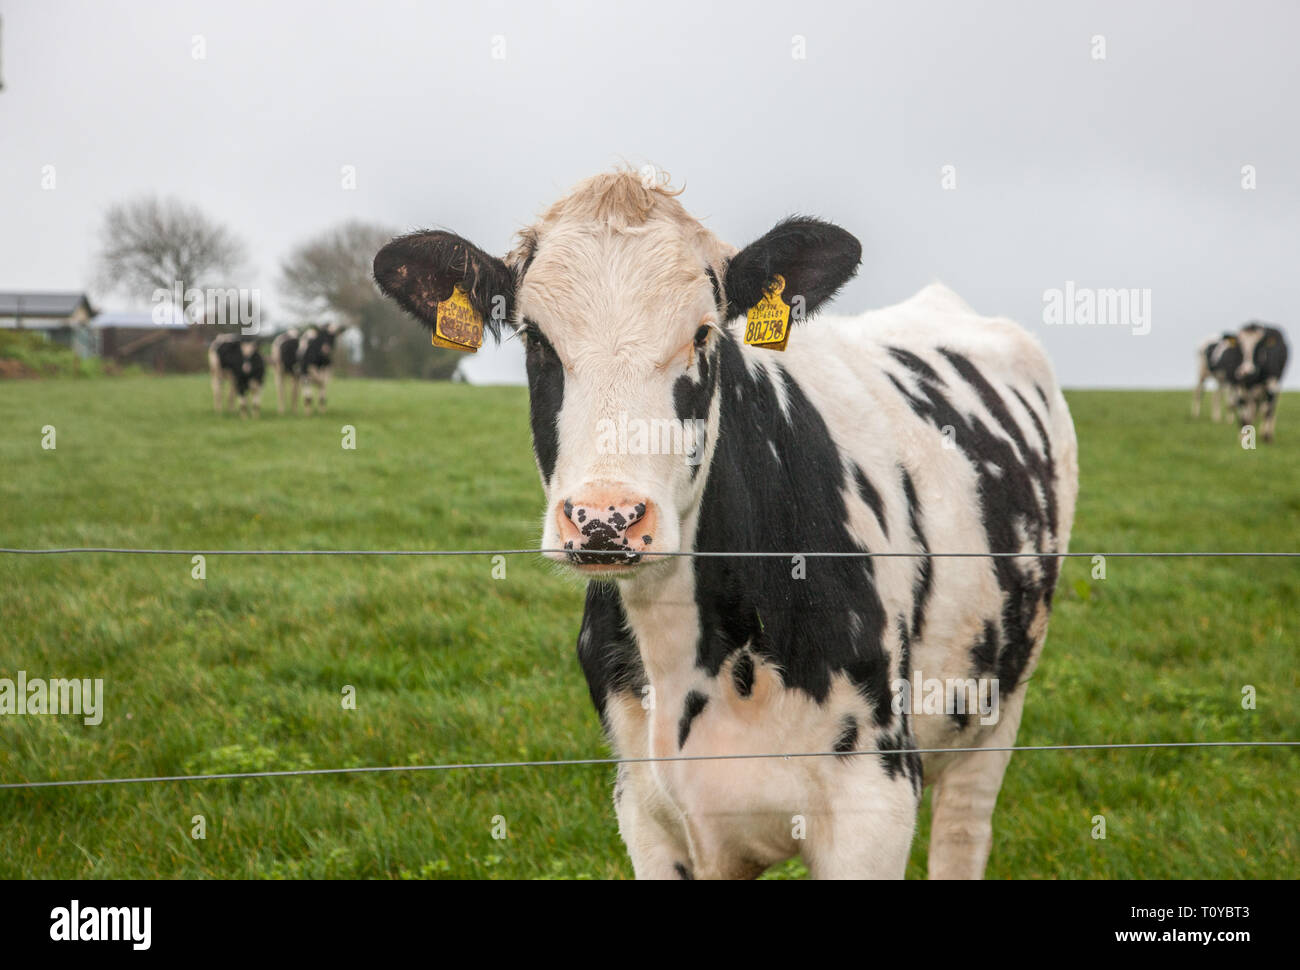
(914, 363)
(984, 654)
(607, 650)
(898, 756)
(695, 703)
(742, 674)
(754, 503)
(872, 497)
(848, 737)
(924, 578)
(545, 396)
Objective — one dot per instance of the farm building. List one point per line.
(158, 339)
(62, 317)
(154, 339)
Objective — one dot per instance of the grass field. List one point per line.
(245, 670)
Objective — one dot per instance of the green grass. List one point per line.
(26, 353)
(244, 670)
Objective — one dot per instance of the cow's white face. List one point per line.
(620, 332)
(619, 297)
(1249, 338)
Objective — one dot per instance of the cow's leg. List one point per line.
(324, 385)
(308, 383)
(255, 390)
(215, 370)
(1249, 408)
(1270, 408)
(655, 852)
(279, 386)
(295, 392)
(965, 794)
(230, 394)
(1216, 399)
(867, 834)
(1196, 394)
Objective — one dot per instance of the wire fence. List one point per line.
(572, 762)
(621, 554)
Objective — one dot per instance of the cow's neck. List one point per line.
(775, 485)
(663, 614)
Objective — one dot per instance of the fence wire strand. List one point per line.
(572, 762)
(621, 554)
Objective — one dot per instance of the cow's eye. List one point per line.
(702, 335)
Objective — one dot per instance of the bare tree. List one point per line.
(328, 278)
(150, 243)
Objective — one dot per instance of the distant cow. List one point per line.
(1217, 358)
(306, 361)
(316, 362)
(237, 362)
(1259, 376)
(919, 428)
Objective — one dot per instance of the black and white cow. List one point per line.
(1217, 358)
(920, 428)
(1258, 379)
(306, 361)
(237, 362)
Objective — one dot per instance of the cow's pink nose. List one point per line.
(603, 520)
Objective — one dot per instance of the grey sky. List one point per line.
(1123, 172)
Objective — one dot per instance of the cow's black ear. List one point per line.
(816, 258)
(420, 270)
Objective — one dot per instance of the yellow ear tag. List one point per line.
(458, 326)
(767, 324)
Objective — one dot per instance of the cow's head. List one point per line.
(621, 299)
(322, 339)
(1250, 337)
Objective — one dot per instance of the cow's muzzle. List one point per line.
(606, 526)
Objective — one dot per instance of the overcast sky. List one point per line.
(1122, 172)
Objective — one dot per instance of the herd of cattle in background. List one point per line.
(302, 361)
(1247, 368)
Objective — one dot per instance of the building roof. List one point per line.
(49, 304)
(168, 318)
